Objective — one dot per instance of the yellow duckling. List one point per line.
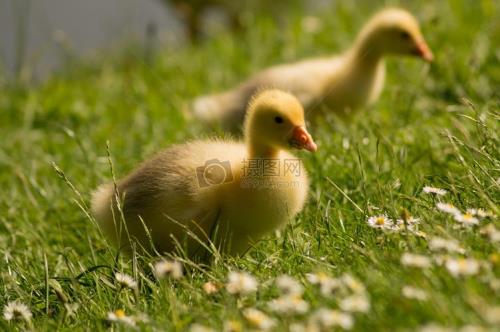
(229, 193)
(341, 83)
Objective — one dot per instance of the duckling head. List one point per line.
(275, 121)
(394, 31)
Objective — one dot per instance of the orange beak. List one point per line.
(423, 51)
(301, 139)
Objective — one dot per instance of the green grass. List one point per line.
(434, 125)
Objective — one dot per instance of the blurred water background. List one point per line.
(37, 36)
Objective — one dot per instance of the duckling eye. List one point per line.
(405, 35)
(278, 119)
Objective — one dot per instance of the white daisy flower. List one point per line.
(289, 286)
(413, 260)
(462, 266)
(307, 327)
(491, 232)
(328, 318)
(16, 311)
(410, 221)
(289, 304)
(200, 328)
(433, 190)
(353, 284)
(355, 303)
(472, 328)
(258, 319)
(494, 284)
(171, 268)
(441, 244)
(210, 288)
(447, 208)
(440, 259)
(125, 280)
(419, 233)
(317, 278)
(345, 143)
(492, 315)
(232, 326)
(410, 224)
(380, 222)
(466, 218)
(241, 283)
(480, 213)
(327, 285)
(119, 316)
(433, 327)
(415, 293)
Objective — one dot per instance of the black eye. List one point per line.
(278, 119)
(405, 35)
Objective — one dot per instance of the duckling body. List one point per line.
(341, 84)
(212, 189)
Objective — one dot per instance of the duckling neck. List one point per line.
(364, 55)
(261, 151)
(366, 50)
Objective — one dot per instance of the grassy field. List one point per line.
(435, 125)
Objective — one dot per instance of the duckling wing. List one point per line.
(165, 197)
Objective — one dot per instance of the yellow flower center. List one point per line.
(322, 276)
(256, 319)
(120, 313)
(380, 220)
(462, 264)
(234, 326)
(467, 216)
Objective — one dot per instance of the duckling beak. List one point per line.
(423, 51)
(301, 139)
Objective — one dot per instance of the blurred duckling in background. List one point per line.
(225, 192)
(341, 84)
